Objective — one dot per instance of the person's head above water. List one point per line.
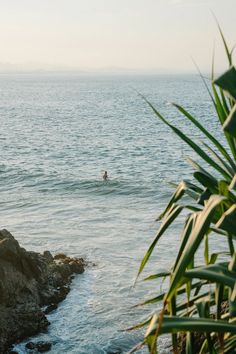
(105, 176)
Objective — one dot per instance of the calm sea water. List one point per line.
(58, 134)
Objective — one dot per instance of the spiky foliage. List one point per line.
(193, 302)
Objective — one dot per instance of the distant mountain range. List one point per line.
(9, 68)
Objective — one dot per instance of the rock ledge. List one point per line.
(29, 281)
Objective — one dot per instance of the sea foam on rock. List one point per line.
(29, 281)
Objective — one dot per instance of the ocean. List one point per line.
(59, 132)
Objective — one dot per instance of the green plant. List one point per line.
(201, 300)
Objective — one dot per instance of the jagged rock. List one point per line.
(60, 256)
(50, 308)
(48, 256)
(30, 345)
(41, 347)
(28, 281)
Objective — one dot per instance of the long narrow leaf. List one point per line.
(228, 52)
(183, 187)
(228, 169)
(219, 146)
(227, 82)
(230, 123)
(222, 114)
(201, 226)
(213, 273)
(157, 276)
(227, 221)
(189, 141)
(173, 324)
(172, 215)
(151, 301)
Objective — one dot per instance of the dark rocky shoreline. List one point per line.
(28, 282)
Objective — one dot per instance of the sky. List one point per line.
(119, 35)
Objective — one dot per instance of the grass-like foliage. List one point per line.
(199, 307)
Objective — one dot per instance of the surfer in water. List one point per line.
(105, 176)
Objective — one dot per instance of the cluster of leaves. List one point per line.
(201, 300)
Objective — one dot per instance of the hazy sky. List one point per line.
(132, 34)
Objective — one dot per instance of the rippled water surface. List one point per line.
(58, 134)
